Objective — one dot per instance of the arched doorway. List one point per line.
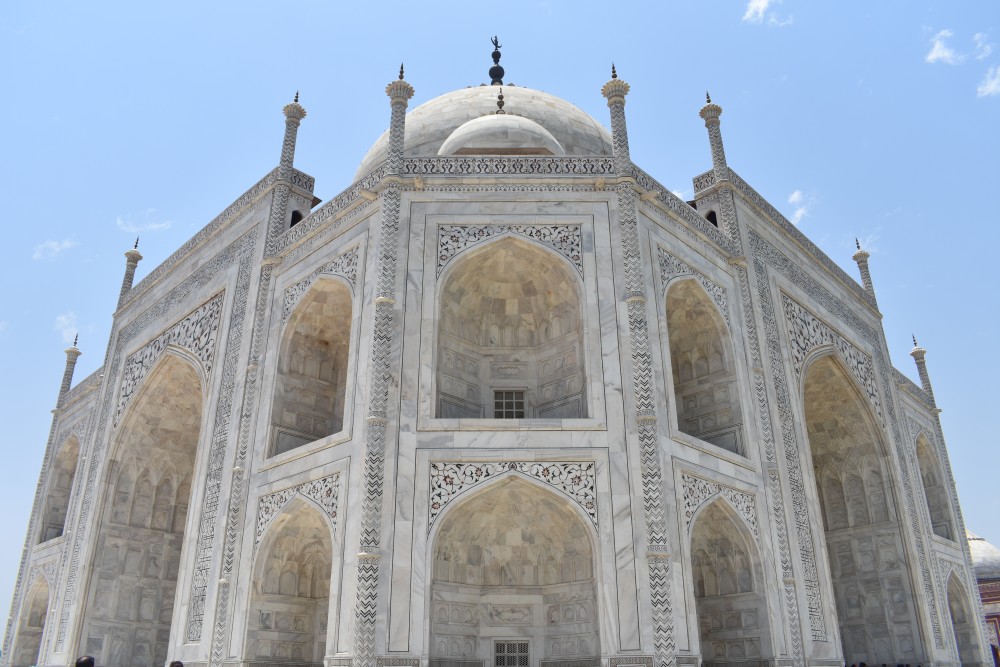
(963, 623)
(31, 626)
(140, 532)
(510, 336)
(733, 623)
(513, 580)
(935, 489)
(290, 598)
(871, 584)
(58, 489)
(706, 392)
(311, 384)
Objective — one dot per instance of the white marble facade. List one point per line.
(504, 400)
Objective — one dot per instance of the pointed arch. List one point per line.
(289, 607)
(513, 558)
(62, 474)
(964, 622)
(706, 390)
(310, 388)
(935, 489)
(31, 624)
(728, 582)
(130, 597)
(868, 570)
(510, 334)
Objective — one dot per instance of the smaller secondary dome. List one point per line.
(985, 557)
(501, 134)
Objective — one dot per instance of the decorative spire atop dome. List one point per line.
(76, 339)
(400, 71)
(136, 246)
(614, 73)
(500, 102)
(296, 100)
(496, 72)
(708, 98)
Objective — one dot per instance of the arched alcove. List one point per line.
(140, 528)
(733, 624)
(513, 571)
(510, 335)
(58, 490)
(311, 383)
(31, 625)
(706, 391)
(290, 595)
(871, 584)
(935, 491)
(963, 623)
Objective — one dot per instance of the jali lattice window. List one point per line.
(510, 653)
(508, 404)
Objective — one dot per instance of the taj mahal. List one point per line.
(505, 401)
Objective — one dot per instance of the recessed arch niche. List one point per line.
(140, 528)
(963, 623)
(733, 622)
(290, 596)
(510, 320)
(311, 384)
(868, 571)
(935, 490)
(31, 626)
(59, 487)
(513, 561)
(706, 391)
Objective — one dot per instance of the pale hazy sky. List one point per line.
(875, 120)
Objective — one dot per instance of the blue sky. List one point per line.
(875, 120)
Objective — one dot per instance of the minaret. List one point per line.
(615, 91)
(72, 354)
(925, 380)
(132, 258)
(710, 113)
(294, 113)
(861, 257)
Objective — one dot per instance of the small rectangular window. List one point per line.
(508, 404)
(510, 653)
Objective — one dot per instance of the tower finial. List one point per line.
(857, 242)
(496, 72)
(614, 72)
(136, 246)
(296, 100)
(76, 339)
(708, 98)
(400, 71)
(500, 102)
(915, 344)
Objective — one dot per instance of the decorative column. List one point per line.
(925, 380)
(72, 354)
(132, 258)
(399, 93)
(861, 257)
(710, 113)
(658, 553)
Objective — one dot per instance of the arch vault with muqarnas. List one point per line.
(504, 401)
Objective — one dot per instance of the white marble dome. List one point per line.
(501, 134)
(985, 557)
(430, 125)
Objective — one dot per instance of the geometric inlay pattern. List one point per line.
(325, 491)
(671, 267)
(345, 265)
(808, 332)
(575, 479)
(195, 333)
(565, 239)
(697, 491)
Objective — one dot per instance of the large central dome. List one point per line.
(544, 125)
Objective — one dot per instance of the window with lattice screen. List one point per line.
(510, 654)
